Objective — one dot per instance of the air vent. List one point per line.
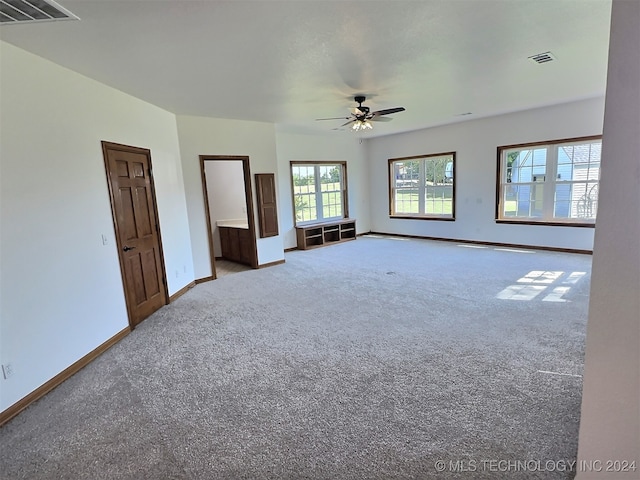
(30, 11)
(543, 57)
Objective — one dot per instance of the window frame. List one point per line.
(421, 187)
(344, 189)
(555, 144)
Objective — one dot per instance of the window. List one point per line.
(553, 183)
(319, 191)
(422, 187)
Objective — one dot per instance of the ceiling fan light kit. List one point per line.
(361, 117)
(360, 125)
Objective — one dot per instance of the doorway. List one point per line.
(228, 201)
(135, 219)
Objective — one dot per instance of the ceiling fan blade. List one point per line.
(388, 111)
(350, 121)
(334, 118)
(380, 119)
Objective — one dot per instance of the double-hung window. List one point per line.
(319, 191)
(552, 182)
(422, 186)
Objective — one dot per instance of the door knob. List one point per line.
(126, 249)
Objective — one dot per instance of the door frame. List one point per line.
(144, 151)
(248, 194)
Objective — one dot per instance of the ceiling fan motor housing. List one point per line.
(363, 109)
(361, 115)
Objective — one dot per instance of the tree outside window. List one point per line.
(422, 186)
(319, 191)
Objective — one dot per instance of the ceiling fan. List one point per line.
(361, 117)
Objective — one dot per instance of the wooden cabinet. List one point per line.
(321, 234)
(267, 209)
(235, 244)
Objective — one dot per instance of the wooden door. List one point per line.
(267, 209)
(137, 233)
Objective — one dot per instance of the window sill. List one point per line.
(417, 217)
(546, 223)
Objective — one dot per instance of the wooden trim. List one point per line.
(390, 162)
(409, 217)
(479, 242)
(552, 142)
(345, 184)
(271, 264)
(498, 198)
(318, 162)
(548, 224)
(207, 214)
(415, 157)
(250, 214)
(290, 249)
(204, 279)
(181, 292)
(345, 190)
(68, 372)
(248, 192)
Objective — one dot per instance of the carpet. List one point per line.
(381, 358)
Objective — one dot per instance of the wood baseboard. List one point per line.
(68, 372)
(290, 249)
(181, 292)
(271, 264)
(204, 279)
(495, 244)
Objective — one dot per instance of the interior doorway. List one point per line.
(228, 201)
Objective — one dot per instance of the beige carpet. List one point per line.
(375, 359)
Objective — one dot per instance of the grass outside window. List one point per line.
(319, 191)
(422, 187)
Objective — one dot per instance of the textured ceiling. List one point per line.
(290, 62)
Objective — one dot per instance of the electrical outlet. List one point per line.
(7, 370)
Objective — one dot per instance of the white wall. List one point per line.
(475, 143)
(338, 146)
(610, 414)
(225, 191)
(62, 293)
(213, 136)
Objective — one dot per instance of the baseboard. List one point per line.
(204, 279)
(182, 291)
(495, 244)
(290, 249)
(68, 372)
(271, 264)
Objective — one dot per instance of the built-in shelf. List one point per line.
(321, 234)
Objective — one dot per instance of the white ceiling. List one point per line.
(290, 62)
